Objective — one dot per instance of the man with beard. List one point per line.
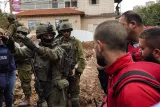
(124, 89)
(49, 63)
(149, 41)
(134, 26)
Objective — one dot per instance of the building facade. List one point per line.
(89, 13)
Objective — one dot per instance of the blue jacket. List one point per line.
(12, 65)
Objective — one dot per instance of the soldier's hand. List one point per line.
(10, 45)
(28, 43)
(4, 38)
(20, 36)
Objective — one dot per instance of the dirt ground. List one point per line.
(90, 87)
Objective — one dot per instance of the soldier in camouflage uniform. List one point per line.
(24, 70)
(76, 55)
(49, 63)
(13, 25)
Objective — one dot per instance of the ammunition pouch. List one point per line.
(62, 84)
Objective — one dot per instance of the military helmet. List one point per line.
(65, 26)
(44, 29)
(11, 17)
(23, 30)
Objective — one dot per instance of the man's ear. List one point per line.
(100, 46)
(133, 24)
(156, 53)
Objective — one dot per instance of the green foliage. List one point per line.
(3, 20)
(150, 14)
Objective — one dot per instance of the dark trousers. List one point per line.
(8, 90)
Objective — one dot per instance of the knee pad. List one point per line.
(26, 88)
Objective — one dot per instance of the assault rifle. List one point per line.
(38, 86)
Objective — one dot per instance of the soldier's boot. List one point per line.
(75, 102)
(26, 102)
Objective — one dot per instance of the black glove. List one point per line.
(27, 42)
(4, 39)
(9, 42)
(10, 45)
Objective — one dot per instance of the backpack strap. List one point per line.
(136, 77)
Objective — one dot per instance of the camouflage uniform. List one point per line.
(77, 56)
(12, 26)
(48, 65)
(24, 71)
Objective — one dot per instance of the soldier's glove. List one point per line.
(4, 39)
(9, 42)
(27, 42)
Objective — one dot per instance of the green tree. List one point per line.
(150, 14)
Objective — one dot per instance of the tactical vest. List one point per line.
(5, 60)
(70, 48)
(42, 68)
(46, 69)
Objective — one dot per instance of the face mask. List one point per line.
(100, 60)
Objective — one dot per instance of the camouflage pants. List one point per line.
(53, 96)
(74, 90)
(25, 78)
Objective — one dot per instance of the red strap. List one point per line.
(135, 76)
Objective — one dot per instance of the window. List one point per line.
(93, 1)
(58, 21)
(32, 24)
(70, 3)
(74, 3)
(61, 4)
(67, 4)
(54, 4)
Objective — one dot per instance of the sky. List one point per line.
(125, 4)
(129, 4)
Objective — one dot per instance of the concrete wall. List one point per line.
(104, 6)
(90, 24)
(75, 20)
(78, 23)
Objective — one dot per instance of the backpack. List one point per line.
(5, 60)
(135, 76)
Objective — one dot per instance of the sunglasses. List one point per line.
(23, 33)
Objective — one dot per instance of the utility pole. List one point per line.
(10, 4)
